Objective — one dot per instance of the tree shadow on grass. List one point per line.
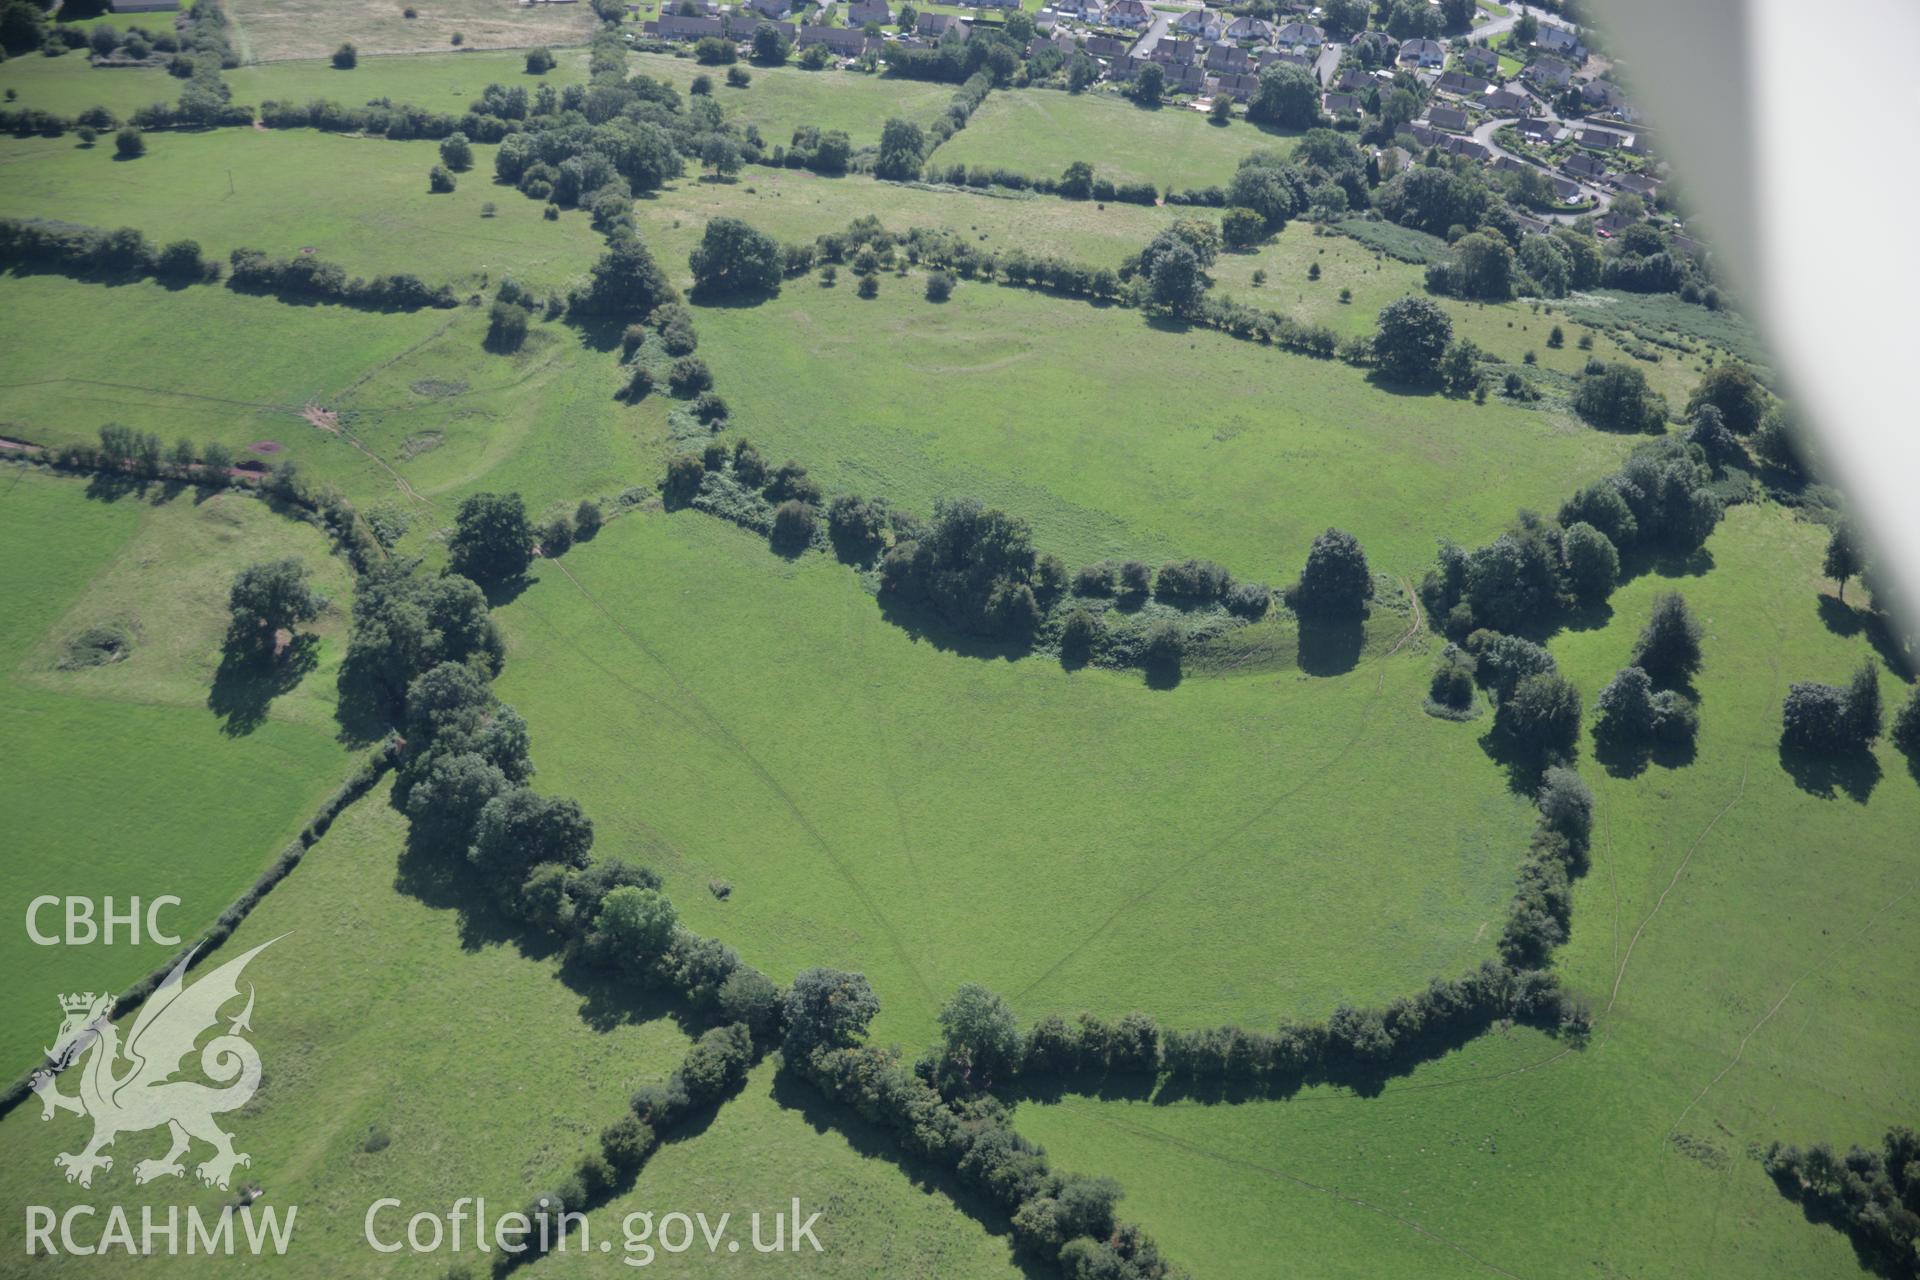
(1843, 619)
(1526, 765)
(1855, 773)
(443, 879)
(921, 623)
(1330, 646)
(249, 679)
(874, 1143)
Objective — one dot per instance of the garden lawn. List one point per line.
(1119, 437)
(1039, 132)
(1739, 938)
(122, 779)
(878, 801)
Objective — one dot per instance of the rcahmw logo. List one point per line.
(131, 1087)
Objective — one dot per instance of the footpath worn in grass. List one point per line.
(881, 802)
(121, 779)
(1039, 132)
(1116, 436)
(486, 1074)
(1739, 939)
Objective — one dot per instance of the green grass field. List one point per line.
(428, 415)
(122, 777)
(1751, 931)
(773, 1143)
(881, 803)
(67, 85)
(445, 82)
(280, 190)
(1039, 132)
(1115, 439)
(1268, 836)
(374, 1010)
(780, 99)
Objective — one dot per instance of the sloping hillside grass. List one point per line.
(1740, 941)
(377, 1018)
(121, 779)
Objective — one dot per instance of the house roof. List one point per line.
(1300, 33)
(1446, 117)
(1460, 82)
(1422, 48)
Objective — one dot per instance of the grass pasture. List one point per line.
(488, 1075)
(270, 30)
(767, 1146)
(1117, 439)
(1039, 132)
(881, 802)
(428, 415)
(280, 190)
(444, 82)
(122, 776)
(780, 99)
(1738, 939)
(68, 85)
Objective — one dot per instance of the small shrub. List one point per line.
(129, 144)
(869, 286)
(345, 58)
(439, 179)
(939, 287)
(690, 376)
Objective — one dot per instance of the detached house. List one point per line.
(861, 12)
(1559, 40)
(935, 25)
(1452, 119)
(1480, 60)
(1132, 14)
(1205, 24)
(1300, 34)
(1422, 52)
(1461, 84)
(1549, 73)
(1257, 30)
(1227, 58)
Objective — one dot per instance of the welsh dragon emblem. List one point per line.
(131, 1087)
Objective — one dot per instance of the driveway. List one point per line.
(1327, 63)
(1144, 46)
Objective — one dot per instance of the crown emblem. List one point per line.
(77, 1003)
